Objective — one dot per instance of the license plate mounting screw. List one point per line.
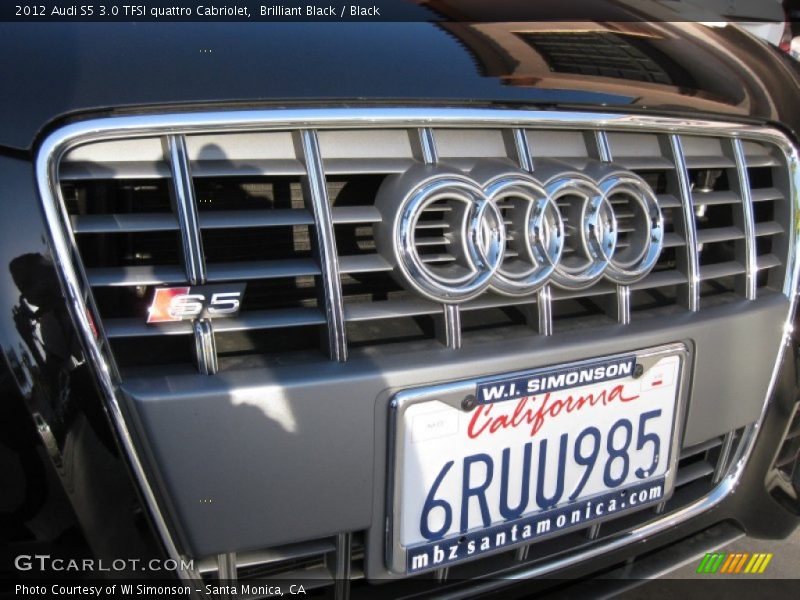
(638, 371)
(469, 402)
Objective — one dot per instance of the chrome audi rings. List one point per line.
(452, 236)
(468, 226)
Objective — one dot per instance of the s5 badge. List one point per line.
(195, 302)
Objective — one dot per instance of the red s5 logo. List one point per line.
(205, 301)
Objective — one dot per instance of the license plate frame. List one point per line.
(453, 393)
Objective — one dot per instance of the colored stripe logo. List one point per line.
(734, 563)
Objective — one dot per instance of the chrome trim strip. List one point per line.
(186, 209)
(524, 156)
(724, 455)
(603, 148)
(751, 266)
(544, 297)
(194, 261)
(144, 125)
(450, 313)
(792, 276)
(452, 326)
(623, 291)
(623, 304)
(205, 346)
(226, 568)
(344, 545)
(544, 306)
(428, 146)
(690, 227)
(326, 243)
(78, 293)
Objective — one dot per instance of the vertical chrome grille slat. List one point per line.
(186, 210)
(724, 455)
(603, 147)
(194, 262)
(522, 553)
(452, 326)
(748, 221)
(451, 314)
(623, 304)
(544, 304)
(344, 543)
(326, 245)
(524, 156)
(544, 297)
(692, 265)
(226, 568)
(205, 346)
(623, 292)
(427, 145)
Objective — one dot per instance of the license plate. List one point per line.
(485, 465)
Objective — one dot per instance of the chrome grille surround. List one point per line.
(307, 122)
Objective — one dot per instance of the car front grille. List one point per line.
(291, 213)
(284, 201)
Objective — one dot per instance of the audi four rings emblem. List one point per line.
(452, 235)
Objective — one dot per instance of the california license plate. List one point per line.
(486, 465)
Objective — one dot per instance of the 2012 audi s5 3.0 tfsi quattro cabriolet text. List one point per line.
(493, 299)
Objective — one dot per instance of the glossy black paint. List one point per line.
(53, 425)
(69, 68)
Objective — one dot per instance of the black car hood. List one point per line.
(51, 71)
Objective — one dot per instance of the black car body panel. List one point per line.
(113, 67)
